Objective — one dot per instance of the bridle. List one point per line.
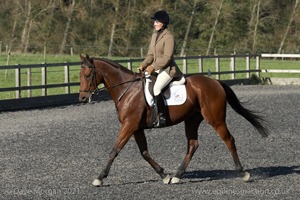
(97, 90)
(93, 80)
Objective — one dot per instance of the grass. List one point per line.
(55, 75)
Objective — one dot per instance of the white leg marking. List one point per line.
(167, 179)
(246, 177)
(97, 183)
(175, 180)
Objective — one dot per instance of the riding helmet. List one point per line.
(161, 16)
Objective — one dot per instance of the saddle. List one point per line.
(174, 93)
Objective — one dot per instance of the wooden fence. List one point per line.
(44, 85)
(213, 70)
(68, 96)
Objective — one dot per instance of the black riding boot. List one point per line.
(160, 107)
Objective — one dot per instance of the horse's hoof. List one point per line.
(246, 177)
(175, 180)
(167, 179)
(97, 183)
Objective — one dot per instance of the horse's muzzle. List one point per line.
(84, 96)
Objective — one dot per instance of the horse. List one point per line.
(206, 100)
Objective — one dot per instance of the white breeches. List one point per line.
(162, 80)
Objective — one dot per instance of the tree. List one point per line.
(69, 8)
(254, 22)
(214, 27)
(121, 28)
(27, 25)
(289, 25)
(188, 28)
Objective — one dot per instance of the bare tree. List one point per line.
(257, 6)
(69, 11)
(214, 27)
(27, 25)
(13, 32)
(113, 27)
(188, 29)
(30, 11)
(129, 24)
(288, 26)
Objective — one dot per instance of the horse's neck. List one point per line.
(114, 78)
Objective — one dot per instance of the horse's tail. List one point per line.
(257, 121)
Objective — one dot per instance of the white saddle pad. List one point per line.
(177, 93)
(177, 96)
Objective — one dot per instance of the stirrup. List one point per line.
(160, 121)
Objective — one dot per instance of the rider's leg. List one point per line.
(162, 80)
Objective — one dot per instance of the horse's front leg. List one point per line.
(123, 137)
(142, 144)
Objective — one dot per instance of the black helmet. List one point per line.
(161, 16)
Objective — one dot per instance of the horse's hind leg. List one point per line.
(191, 132)
(224, 133)
(142, 144)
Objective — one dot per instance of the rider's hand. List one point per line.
(140, 69)
(150, 69)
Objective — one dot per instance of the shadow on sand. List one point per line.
(256, 173)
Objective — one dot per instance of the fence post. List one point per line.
(44, 79)
(200, 64)
(232, 66)
(129, 64)
(67, 78)
(29, 93)
(142, 52)
(7, 63)
(18, 81)
(184, 65)
(257, 65)
(247, 66)
(217, 67)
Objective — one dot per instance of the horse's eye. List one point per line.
(88, 76)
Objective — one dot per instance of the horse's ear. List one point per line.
(89, 59)
(81, 57)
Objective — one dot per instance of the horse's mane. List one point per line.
(113, 63)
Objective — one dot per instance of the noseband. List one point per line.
(93, 80)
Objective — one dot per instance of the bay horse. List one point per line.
(206, 100)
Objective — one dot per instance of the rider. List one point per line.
(160, 59)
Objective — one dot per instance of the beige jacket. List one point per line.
(160, 54)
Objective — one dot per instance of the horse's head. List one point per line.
(88, 79)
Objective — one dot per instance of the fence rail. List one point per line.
(270, 55)
(291, 71)
(44, 86)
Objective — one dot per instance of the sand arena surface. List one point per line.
(56, 153)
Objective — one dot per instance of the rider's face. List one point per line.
(158, 25)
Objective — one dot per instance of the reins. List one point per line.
(97, 89)
(111, 87)
(131, 82)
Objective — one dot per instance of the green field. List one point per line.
(55, 75)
